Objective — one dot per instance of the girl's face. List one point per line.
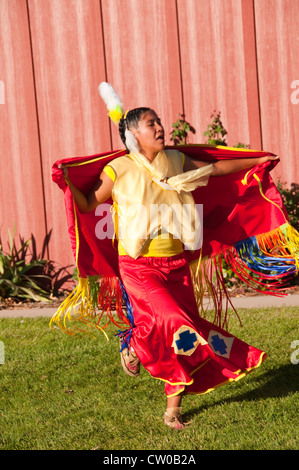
(150, 133)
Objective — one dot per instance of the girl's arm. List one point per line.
(224, 167)
(88, 202)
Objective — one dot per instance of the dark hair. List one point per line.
(131, 120)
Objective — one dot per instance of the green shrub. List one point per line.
(181, 129)
(21, 275)
(290, 197)
(215, 131)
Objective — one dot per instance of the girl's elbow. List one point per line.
(217, 171)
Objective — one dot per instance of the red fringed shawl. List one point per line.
(244, 222)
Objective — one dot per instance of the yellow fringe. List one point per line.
(76, 307)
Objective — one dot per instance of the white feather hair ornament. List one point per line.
(112, 100)
(115, 112)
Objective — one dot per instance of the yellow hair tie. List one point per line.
(125, 115)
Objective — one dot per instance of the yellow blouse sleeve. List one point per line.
(109, 172)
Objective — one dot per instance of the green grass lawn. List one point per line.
(63, 393)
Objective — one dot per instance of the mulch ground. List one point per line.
(11, 303)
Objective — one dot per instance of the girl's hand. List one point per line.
(65, 172)
(267, 158)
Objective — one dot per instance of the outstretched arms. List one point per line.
(224, 167)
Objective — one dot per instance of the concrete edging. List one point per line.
(258, 301)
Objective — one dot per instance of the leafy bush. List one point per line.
(290, 197)
(24, 278)
(215, 131)
(181, 129)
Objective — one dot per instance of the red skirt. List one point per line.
(171, 340)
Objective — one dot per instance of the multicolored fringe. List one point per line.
(92, 300)
(266, 263)
(273, 256)
(212, 297)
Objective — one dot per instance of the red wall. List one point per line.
(239, 57)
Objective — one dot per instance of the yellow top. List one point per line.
(162, 245)
(145, 206)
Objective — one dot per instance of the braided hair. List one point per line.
(129, 121)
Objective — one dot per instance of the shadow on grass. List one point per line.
(276, 383)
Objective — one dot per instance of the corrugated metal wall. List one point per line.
(239, 57)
